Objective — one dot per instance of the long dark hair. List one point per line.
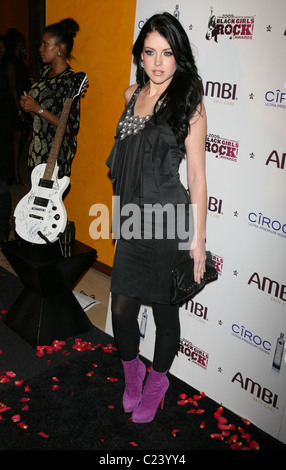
(64, 32)
(185, 91)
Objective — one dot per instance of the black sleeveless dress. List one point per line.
(151, 216)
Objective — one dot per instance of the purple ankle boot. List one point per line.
(153, 393)
(134, 373)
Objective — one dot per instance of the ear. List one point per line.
(62, 50)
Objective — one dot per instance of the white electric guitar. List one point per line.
(40, 216)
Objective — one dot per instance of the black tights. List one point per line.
(125, 311)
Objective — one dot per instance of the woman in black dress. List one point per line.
(47, 97)
(164, 118)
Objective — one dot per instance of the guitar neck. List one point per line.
(61, 128)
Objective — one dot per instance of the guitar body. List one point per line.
(40, 216)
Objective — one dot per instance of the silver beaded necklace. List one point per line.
(131, 124)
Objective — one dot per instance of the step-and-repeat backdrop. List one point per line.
(233, 332)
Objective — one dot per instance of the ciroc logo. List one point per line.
(275, 98)
(267, 224)
(239, 331)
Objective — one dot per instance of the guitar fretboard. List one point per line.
(57, 140)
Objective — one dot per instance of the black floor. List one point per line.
(71, 399)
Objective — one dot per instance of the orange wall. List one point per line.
(102, 49)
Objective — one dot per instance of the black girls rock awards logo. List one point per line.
(222, 147)
(194, 354)
(229, 26)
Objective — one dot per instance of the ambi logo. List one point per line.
(270, 286)
(260, 393)
(277, 160)
(214, 206)
(225, 91)
(197, 309)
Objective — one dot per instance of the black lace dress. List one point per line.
(153, 231)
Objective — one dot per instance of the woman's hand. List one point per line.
(29, 105)
(198, 254)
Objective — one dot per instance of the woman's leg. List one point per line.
(126, 333)
(167, 323)
(125, 311)
(167, 339)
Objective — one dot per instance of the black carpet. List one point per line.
(70, 398)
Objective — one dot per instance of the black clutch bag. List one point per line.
(183, 284)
